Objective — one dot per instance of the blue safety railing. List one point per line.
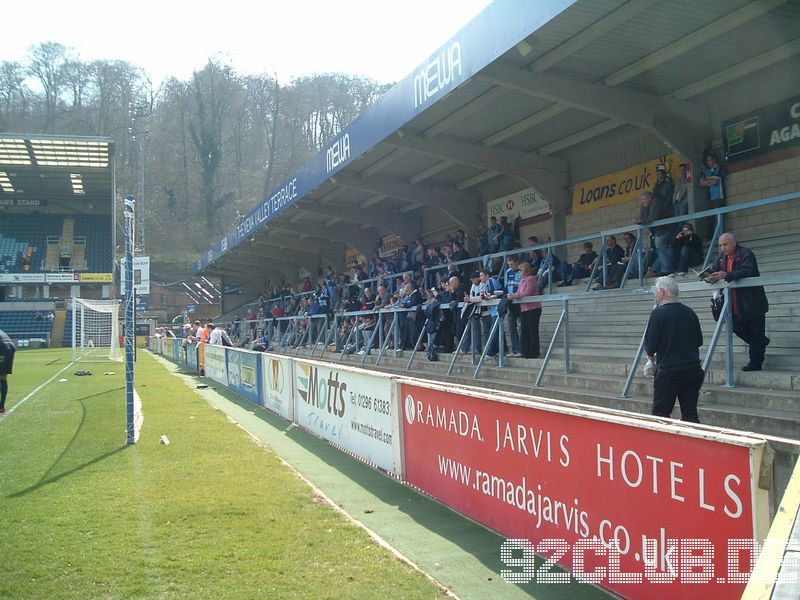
(385, 330)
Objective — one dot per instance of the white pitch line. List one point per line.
(18, 404)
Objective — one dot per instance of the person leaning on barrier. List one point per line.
(672, 341)
(433, 321)
(530, 312)
(452, 293)
(749, 304)
(470, 299)
(205, 332)
(490, 289)
(512, 279)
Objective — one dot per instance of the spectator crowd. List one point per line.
(439, 286)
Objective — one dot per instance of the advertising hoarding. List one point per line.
(22, 277)
(96, 277)
(244, 373)
(764, 130)
(623, 185)
(215, 365)
(62, 277)
(644, 512)
(191, 357)
(524, 204)
(351, 408)
(141, 275)
(278, 383)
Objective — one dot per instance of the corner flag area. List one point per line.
(238, 504)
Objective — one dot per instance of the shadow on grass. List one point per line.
(472, 538)
(48, 477)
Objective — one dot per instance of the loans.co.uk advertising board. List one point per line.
(623, 185)
(350, 408)
(642, 512)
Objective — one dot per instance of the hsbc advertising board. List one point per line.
(641, 509)
(277, 380)
(350, 408)
(524, 204)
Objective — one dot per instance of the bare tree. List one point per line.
(13, 95)
(47, 65)
(211, 91)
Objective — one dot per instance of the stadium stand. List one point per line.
(96, 231)
(27, 320)
(55, 243)
(18, 234)
(605, 330)
(66, 338)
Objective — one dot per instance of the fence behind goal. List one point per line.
(95, 330)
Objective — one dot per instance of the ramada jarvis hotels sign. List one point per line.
(628, 508)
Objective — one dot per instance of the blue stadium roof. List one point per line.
(510, 102)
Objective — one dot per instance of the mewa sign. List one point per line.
(499, 27)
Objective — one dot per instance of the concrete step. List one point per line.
(766, 390)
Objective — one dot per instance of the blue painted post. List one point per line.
(130, 216)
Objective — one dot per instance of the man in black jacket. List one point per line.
(750, 304)
(672, 340)
(687, 249)
(7, 350)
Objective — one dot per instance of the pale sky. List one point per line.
(379, 39)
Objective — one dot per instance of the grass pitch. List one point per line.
(210, 515)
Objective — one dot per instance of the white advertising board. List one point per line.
(63, 278)
(22, 277)
(216, 367)
(141, 275)
(354, 409)
(524, 204)
(278, 385)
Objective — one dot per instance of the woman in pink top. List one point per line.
(530, 312)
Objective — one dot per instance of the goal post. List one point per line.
(133, 405)
(95, 330)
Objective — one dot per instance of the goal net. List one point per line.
(95, 330)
